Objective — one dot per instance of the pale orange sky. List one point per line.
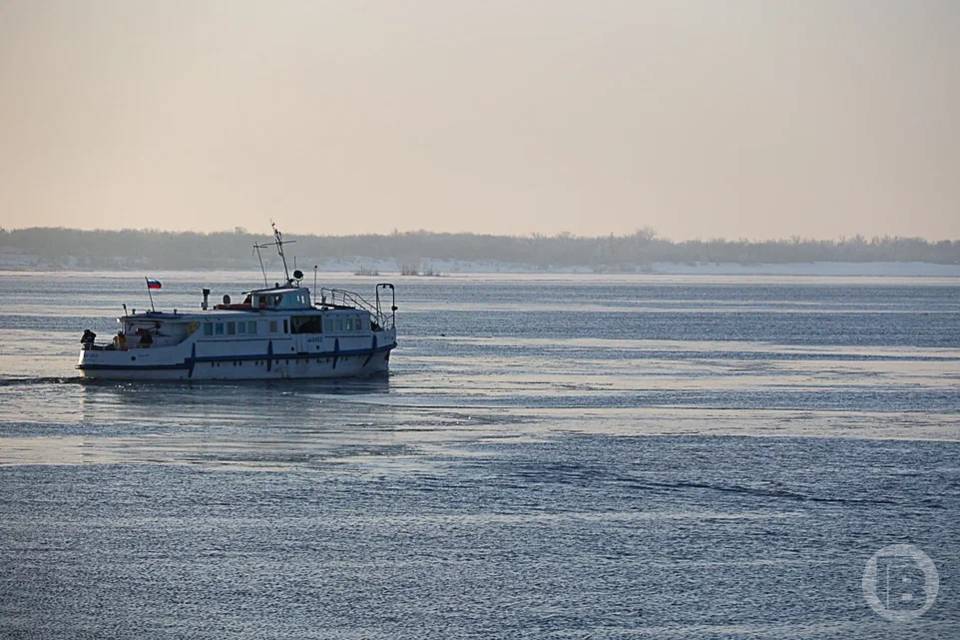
(749, 119)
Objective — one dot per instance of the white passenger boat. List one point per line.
(275, 332)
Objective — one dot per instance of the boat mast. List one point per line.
(278, 240)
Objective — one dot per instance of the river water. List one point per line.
(569, 456)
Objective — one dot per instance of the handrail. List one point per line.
(333, 297)
(393, 300)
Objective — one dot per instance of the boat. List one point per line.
(276, 332)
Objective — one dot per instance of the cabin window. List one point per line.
(231, 328)
(273, 326)
(306, 324)
(208, 328)
(328, 325)
(241, 328)
(252, 327)
(286, 327)
(218, 329)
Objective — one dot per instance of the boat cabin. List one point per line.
(280, 298)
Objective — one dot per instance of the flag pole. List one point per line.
(149, 293)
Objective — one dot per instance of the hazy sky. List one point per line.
(699, 119)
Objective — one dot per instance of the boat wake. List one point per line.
(39, 380)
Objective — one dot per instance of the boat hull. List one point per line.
(146, 364)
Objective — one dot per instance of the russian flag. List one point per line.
(153, 284)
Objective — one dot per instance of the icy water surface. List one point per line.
(551, 457)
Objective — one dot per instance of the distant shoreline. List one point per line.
(430, 253)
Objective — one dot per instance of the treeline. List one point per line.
(59, 247)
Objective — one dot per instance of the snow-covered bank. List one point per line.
(12, 259)
(812, 269)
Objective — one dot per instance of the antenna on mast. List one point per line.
(278, 242)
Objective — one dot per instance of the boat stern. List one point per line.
(120, 364)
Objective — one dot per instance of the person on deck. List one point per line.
(88, 339)
(146, 338)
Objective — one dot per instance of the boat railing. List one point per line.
(343, 298)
